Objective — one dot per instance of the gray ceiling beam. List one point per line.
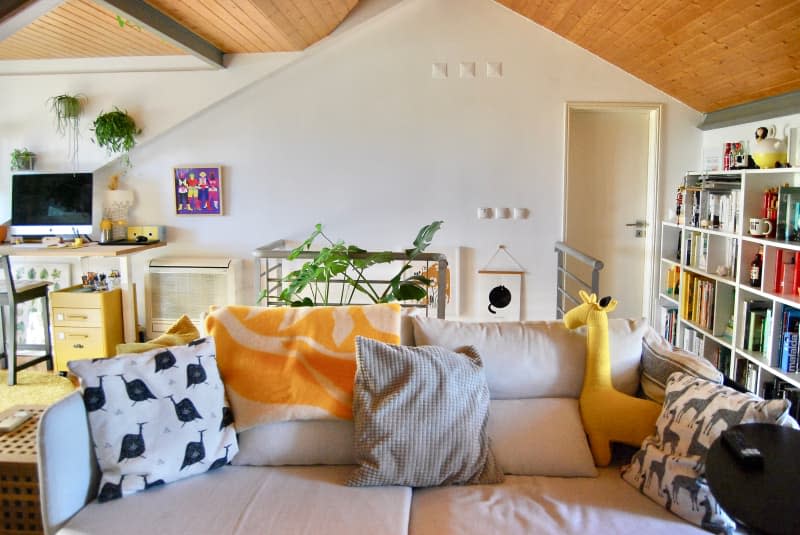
(766, 108)
(158, 23)
(16, 14)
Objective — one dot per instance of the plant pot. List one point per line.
(24, 163)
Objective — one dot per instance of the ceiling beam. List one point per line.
(16, 14)
(160, 24)
(766, 108)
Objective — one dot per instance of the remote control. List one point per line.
(9, 423)
(746, 453)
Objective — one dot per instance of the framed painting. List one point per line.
(198, 189)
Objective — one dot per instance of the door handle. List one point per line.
(638, 224)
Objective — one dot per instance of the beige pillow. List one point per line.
(420, 417)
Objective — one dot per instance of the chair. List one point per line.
(11, 295)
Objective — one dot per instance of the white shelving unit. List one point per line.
(714, 265)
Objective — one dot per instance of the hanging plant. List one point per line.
(67, 110)
(116, 132)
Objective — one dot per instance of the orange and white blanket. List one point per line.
(287, 363)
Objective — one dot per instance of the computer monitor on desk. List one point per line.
(51, 204)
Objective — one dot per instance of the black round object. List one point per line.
(499, 297)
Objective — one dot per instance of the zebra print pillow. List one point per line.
(157, 416)
(670, 466)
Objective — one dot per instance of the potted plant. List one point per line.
(22, 160)
(116, 132)
(348, 263)
(67, 110)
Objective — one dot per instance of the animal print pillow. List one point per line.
(157, 416)
(670, 466)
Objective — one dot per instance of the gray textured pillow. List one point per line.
(420, 417)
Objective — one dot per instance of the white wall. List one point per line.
(359, 137)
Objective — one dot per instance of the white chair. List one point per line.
(11, 295)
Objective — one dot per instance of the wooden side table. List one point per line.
(761, 498)
(20, 509)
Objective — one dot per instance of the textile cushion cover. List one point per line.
(670, 466)
(420, 417)
(287, 363)
(156, 417)
(181, 332)
(538, 358)
(660, 360)
(542, 436)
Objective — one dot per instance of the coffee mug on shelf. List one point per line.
(760, 226)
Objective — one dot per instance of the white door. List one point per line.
(610, 200)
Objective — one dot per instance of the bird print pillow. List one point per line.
(156, 417)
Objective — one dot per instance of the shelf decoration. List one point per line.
(500, 288)
(117, 203)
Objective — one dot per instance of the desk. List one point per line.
(122, 252)
(762, 499)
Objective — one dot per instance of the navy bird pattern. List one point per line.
(148, 424)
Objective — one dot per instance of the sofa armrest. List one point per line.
(68, 471)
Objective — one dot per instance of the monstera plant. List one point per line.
(347, 264)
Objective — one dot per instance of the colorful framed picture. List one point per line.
(198, 189)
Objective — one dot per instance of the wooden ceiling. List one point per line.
(710, 55)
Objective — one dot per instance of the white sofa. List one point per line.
(534, 371)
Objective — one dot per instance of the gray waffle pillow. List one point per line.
(420, 417)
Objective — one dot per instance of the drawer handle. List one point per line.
(77, 317)
(77, 346)
(78, 335)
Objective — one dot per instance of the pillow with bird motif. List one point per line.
(156, 417)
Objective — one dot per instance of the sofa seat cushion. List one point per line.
(244, 500)
(542, 505)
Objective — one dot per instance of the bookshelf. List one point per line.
(707, 302)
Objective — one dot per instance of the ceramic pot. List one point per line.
(767, 151)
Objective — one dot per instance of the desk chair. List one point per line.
(12, 295)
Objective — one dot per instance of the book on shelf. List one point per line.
(790, 331)
(673, 281)
(784, 272)
(748, 333)
(788, 211)
(669, 322)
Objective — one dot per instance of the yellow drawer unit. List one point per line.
(86, 325)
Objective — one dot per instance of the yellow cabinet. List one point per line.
(86, 325)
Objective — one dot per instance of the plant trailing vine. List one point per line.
(116, 132)
(67, 110)
(348, 263)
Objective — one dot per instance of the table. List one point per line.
(20, 510)
(763, 499)
(122, 252)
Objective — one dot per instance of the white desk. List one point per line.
(122, 252)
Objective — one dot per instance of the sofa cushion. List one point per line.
(287, 363)
(245, 500)
(300, 442)
(660, 360)
(670, 466)
(538, 358)
(525, 505)
(542, 436)
(156, 417)
(420, 417)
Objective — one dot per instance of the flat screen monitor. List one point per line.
(51, 204)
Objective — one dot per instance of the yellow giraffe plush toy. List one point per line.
(608, 415)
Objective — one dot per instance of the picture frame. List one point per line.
(197, 189)
(499, 295)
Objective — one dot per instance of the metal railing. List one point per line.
(563, 274)
(269, 273)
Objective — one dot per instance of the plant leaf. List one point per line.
(424, 238)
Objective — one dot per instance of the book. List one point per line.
(786, 225)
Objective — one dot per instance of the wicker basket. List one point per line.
(20, 509)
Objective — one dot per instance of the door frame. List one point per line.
(653, 230)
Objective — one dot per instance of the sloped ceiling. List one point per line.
(711, 55)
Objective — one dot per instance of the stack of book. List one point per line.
(698, 300)
(715, 200)
(673, 281)
(669, 323)
(788, 223)
(757, 325)
(790, 332)
(787, 272)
